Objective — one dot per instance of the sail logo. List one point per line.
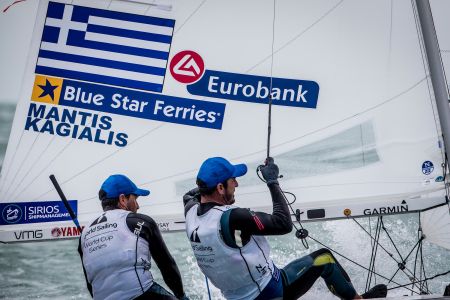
(131, 103)
(12, 213)
(427, 167)
(99, 220)
(187, 67)
(104, 46)
(46, 89)
(28, 234)
(66, 231)
(194, 236)
(256, 89)
(387, 209)
(35, 212)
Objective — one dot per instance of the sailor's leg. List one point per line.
(300, 275)
(335, 277)
(156, 292)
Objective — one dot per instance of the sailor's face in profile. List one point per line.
(232, 184)
(129, 203)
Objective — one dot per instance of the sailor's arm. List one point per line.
(260, 223)
(190, 199)
(89, 286)
(159, 252)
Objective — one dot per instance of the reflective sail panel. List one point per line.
(151, 93)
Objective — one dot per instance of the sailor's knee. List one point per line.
(324, 259)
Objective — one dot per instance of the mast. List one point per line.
(436, 68)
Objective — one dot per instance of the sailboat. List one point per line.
(152, 89)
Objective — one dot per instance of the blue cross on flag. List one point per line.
(104, 46)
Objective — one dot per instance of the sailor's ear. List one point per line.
(220, 188)
(122, 201)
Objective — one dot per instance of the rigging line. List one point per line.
(269, 117)
(190, 16)
(419, 281)
(389, 236)
(342, 120)
(37, 136)
(28, 172)
(426, 71)
(103, 159)
(46, 167)
(390, 254)
(417, 253)
(354, 262)
(403, 262)
(425, 283)
(373, 254)
(298, 35)
(5, 175)
(390, 35)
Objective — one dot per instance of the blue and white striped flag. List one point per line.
(104, 46)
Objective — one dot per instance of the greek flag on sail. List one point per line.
(103, 46)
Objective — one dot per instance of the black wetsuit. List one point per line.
(299, 275)
(160, 254)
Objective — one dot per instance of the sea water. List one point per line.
(52, 270)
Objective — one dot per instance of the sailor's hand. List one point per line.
(193, 194)
(270, 171)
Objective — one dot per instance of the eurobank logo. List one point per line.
(256, 89)
(187, 67)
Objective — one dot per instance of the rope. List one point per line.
(269, 121)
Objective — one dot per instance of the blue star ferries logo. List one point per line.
(47, 89)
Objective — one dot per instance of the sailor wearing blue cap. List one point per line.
(230, 247)
(117, 247)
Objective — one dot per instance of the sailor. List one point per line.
(230, 247)
(117, 247)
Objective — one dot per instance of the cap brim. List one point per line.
(142, 192)
(239, 170)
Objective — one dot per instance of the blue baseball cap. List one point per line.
(215, 170)
(118, 184)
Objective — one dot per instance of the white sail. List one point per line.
(354, 124)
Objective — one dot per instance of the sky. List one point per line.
(16, 27)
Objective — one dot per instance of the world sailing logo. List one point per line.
(194, 236)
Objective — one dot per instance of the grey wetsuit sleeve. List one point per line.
(190, 199)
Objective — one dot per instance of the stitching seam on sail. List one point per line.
(28, 171)
(101, 160)
(190, 16)
(340, 121)
(298, 35)
(27, 155)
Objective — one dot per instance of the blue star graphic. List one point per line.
(48, 89)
